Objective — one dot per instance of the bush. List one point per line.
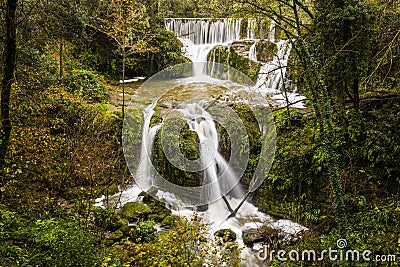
(47, 242)
(86, 85)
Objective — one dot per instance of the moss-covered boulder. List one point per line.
(134, 211)
(187, 142)
(148, 197)
(236, 56)
(227, 235)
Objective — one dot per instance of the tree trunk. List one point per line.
(123, 86)
(61, 59)
(9, 56)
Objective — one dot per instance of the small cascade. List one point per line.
(215, 167)
(271, 76)
(272, 31)
(143, 174)
(251, 28)
(253, 52)
(205, 31)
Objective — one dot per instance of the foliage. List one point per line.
(183, 246)
(343, 45)
(45, 242)
(85, 84)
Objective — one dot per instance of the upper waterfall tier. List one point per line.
(205, 31)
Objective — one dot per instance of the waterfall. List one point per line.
(143, 175)
(271, 75)
(251, 28)
(205, 31)
(271, 78)
(199, 36)
(272, 32)
(253, 52)
(215, 167)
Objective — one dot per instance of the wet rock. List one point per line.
(251, 236)
(148, 197)
(227, 235)
(133, 211)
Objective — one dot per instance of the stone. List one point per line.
(227, 235)
(135, 211)
(251, 236)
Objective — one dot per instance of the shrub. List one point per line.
(86, 85)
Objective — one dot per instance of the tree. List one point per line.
(9, 55)
(294, 22)
(342, 41)
(125, 22)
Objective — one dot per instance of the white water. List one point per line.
(199, 36)
(253, 52)
(251, 28)
(271, 78)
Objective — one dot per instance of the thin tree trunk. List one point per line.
(123, 86)
(9, 56)
(61, 59)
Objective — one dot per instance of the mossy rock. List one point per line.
(134, 211)
(236, 56)
(188, 143)
(169, 221)
(148, 197)
(155, 119)
(227, 235)
(251, 236)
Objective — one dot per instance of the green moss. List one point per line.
(231, 57)
(227, 235)
(108, 219)
(188, 144)
(135, 211)
(169, 221)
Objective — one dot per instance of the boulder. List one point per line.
(168, 221)
(134, 211)
(227, 235)
(251, 236)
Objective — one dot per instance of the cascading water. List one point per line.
(251, 28)
(271, 74)
(253, 52)
(199, 36)
(271, 78)
(215, 166)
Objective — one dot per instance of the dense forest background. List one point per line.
(336, 170)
